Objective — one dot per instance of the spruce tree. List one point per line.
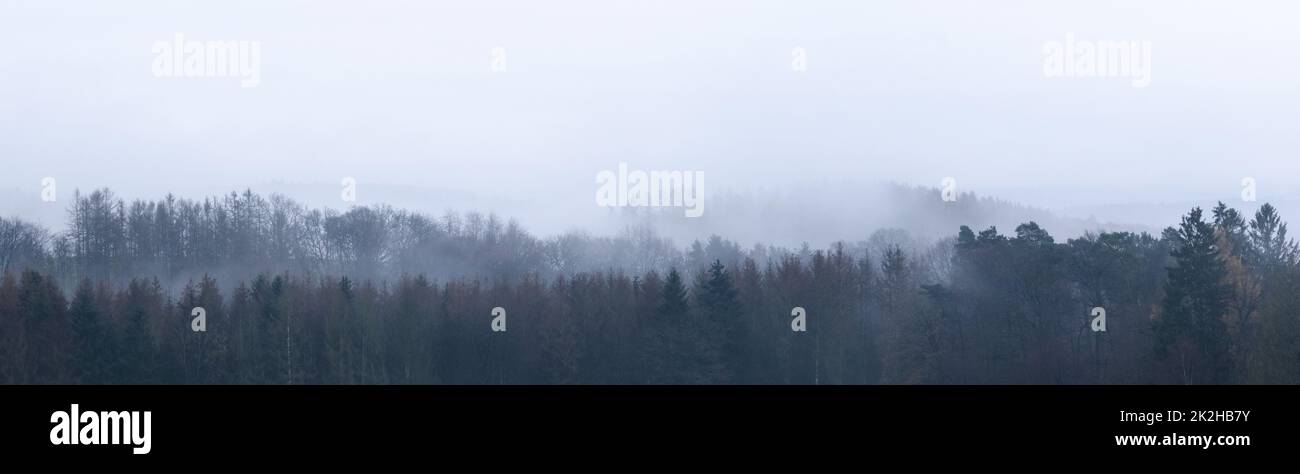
(672, 303)
(724, 330)
(92, 353)
(1196, 298)
(139, 364)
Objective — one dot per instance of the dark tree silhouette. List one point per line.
(377, 295)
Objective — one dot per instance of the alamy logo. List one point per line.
(499, 59)
(349, 192)
(104, 427)
(498, 319)
(800, 321)
(1248, 189)
(949, 191)
(639, 188)
(49, 190)
(1131, 59)
(1098, 319)
(799, 60)
(180, 58)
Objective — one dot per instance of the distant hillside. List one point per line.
(844, 212)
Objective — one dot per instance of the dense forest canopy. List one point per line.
(382, 295)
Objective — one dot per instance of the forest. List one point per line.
(377, 295)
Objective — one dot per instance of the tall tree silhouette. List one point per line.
(1190, 327)
(719, 305)
(93, 350)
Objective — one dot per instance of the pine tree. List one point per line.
(48, 330)
(1196, 298)
(139, 363)
(215, 362)
(92, 347)
(725, 331)
(672, 303)
(271, 349)
(1271, 247)
(716, 294)
(677, 351)
(13, 339)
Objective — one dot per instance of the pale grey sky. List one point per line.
(402, 94)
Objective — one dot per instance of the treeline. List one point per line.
(591, 328)
(1212, 300)
(237, 236)
(240, 235)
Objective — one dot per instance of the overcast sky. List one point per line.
(404, 94)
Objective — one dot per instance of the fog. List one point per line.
(416, 103)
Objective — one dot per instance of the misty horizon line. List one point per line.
(920, 228)
(643, 218)
(395, 196)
